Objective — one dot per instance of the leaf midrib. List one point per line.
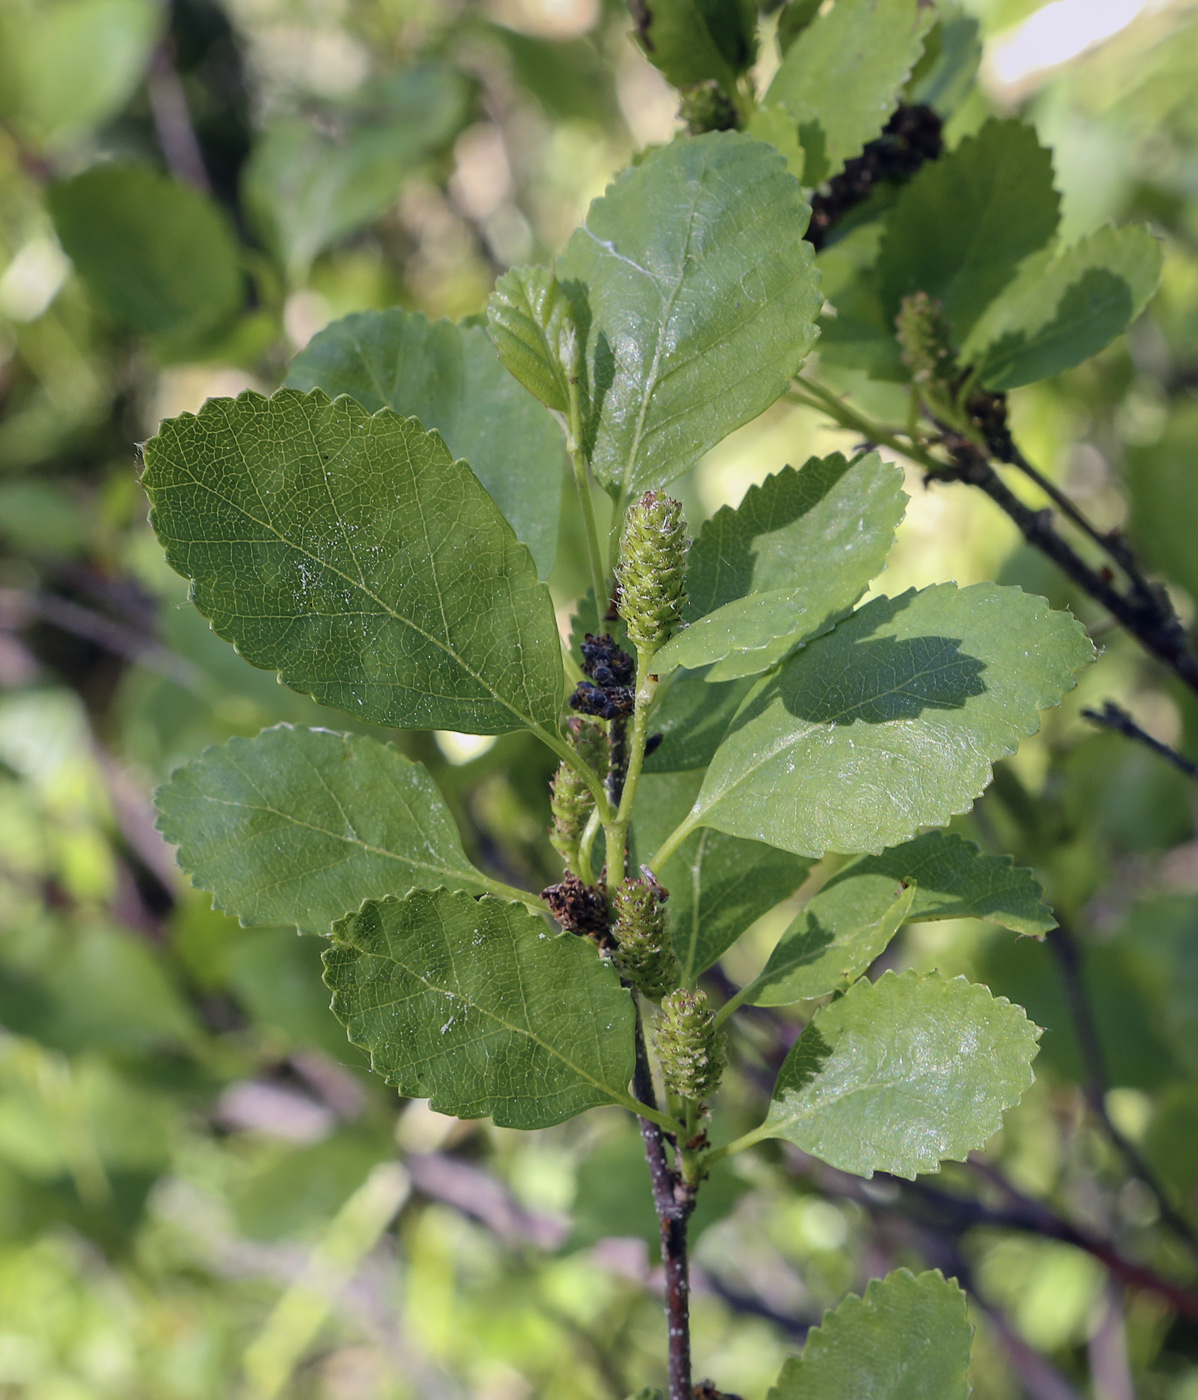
(525, 719)
(615, 1095)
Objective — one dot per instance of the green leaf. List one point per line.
(842, 75)
(944, 75)
(450, 378)
(528, 317)
(354, 556)
(309, 184)
(832, 942)
(690, 41)
(785, 565)
(718, 884)
(298, 826)
(795, 17)
(892, 721)
(902, 1074)
(473, 1005)
(1065, 306)
(698, 300)
(692, 717)
(908, 1338)
(856, 333)
(850, 921)
(964, 223)
(1164, 496)
(773, 123)
(157, 255)
(954, 881)
(72, 64)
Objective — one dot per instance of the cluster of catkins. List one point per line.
(632, 929)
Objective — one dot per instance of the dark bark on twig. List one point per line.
(950, 1216)
(1095, 1081)
(1144, 610)
(1115, 717)
(673, 1200)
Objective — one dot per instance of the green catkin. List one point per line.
(644, 950)
(707, 107)
(925, 339)
(689, 1045)
(652, 569)
(570, 800)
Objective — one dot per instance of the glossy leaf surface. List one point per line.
(900, 712)
(528, 316)
(907, 1338)
(902, 1074)
(962, 226)
(698, 299)
(718, 884)
(474, 1005)
(841, 77)
(692, 41)
(1064, 306)
(850, 921)
(786, 564)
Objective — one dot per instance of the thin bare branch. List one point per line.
(1115, 717)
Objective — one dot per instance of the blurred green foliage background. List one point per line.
(202, 1193)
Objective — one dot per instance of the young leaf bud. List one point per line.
(651, 570)
(689, 1046)
(644, 952)
(570, 799)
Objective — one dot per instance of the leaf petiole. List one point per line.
(582, 483)
(654, 1115)
(585, 871)
(730, 1149)
(673, 841)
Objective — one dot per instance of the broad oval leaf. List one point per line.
(73, 64)
(1064, 306)
(833, 940)
(474, 1005)
(449, 377)
(298, 826)
(902, 1074)
(841, 77)
(908, 1338)
(718, 884)
(309, 183)
(156, 254)
(697, 298)
(354, 556)
(786, 564)
(850, 921)
(891, 721)
(964, 223)
(692, 41)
